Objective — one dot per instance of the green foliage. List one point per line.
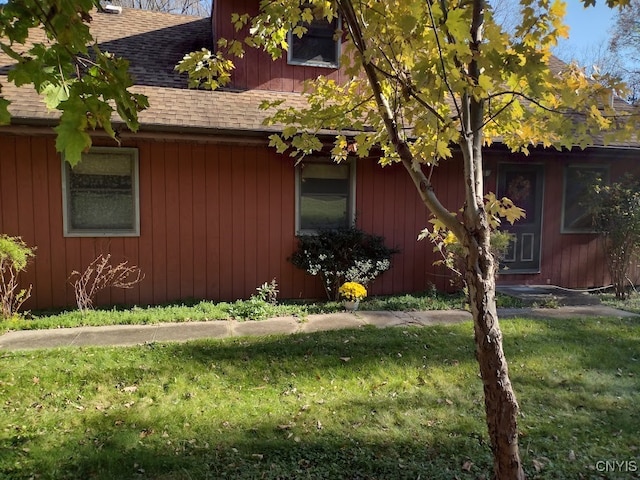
(453, 252)
(507, 301)
(253, 309)
(260, 306)
(14, 256)
(86, 84)
(268, 292)
(206, 310)
(432, 300)
(631, 303)
(550, 301)
(347, 254)
(14, 253)
(206, 70)
(616, 216)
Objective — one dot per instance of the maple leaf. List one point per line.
(5, 116)
(72, 142)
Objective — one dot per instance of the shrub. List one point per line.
(100, 274)
(616, 216)
(268, 292)
(14, 256)
(342, 255)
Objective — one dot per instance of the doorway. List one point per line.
(523, 184)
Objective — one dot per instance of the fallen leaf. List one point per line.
(130, 389)
(466, 466)
(345, 359)
(572, 456)
(36, 380)
(538, 465)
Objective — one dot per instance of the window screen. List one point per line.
(324, 196)
(317, 46)
(578, 182)
(101, 193)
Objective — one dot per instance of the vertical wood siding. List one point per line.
(570, 260)
(256, 70)
(216, 221)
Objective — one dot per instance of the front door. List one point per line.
(523, 184)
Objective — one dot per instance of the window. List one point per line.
(100, 194)
(325, 195)
(578, 180)
(317, 47)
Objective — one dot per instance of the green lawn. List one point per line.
(385, 404)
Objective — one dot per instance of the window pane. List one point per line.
(101, 211)
(317, 45)
(324, 196)
(322, 212)
(100, 193)
(577, 187)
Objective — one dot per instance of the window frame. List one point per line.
(68, 231)
(575, 166)
(315, 63)
(351, 198)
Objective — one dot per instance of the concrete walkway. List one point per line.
(180, 332)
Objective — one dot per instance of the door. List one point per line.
(523, 184)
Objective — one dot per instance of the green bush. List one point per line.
(342, 255)
(14, 256)
(252, 309)
(616, 216)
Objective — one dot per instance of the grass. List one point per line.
(630, 304)
(399, 403)
(252, 309)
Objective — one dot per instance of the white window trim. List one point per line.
(351, 201)
(606, 167)
(135, 232)
(311, 63)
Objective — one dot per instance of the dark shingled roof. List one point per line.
(154, 43)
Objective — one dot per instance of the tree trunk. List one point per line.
(501, 406)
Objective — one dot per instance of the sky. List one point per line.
(588, 26)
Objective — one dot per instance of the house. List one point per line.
(199, 201)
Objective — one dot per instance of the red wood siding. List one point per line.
(216, 221)
(570, 260)
(256, 70)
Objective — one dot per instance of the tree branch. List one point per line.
(423, 184)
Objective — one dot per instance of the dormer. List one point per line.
(314, 54)
(319, 47)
